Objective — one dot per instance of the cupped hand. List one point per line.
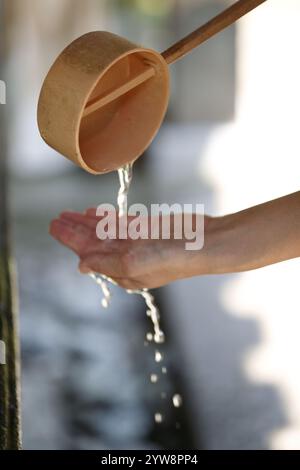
(133, 264)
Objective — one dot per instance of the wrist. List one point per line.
(232, 244)
(222, 242)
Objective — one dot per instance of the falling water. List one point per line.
(125, 178)
(101, 280)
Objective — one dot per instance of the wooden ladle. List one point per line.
(105, 98)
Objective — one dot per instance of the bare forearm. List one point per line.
(256, 237)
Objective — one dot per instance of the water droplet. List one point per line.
(159, 337)
(154, 378)
(146, 343)
(177, 400)
(158, 356)
(163, 395)
(100, 279)
(158, 418)
(178, 425)
(149, 336)
(164, 370)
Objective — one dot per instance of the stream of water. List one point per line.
(125, 178)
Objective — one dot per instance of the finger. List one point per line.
(92, 221)
(82, 239)
(77, 217)
(73, 235)
(91, 211)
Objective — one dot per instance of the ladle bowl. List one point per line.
(74, 116)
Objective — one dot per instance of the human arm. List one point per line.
(258, 236)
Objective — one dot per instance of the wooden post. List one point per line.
(9, 372)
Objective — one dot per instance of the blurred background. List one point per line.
(230, 140)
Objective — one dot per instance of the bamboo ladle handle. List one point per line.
(179, 50)
(210, 29)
